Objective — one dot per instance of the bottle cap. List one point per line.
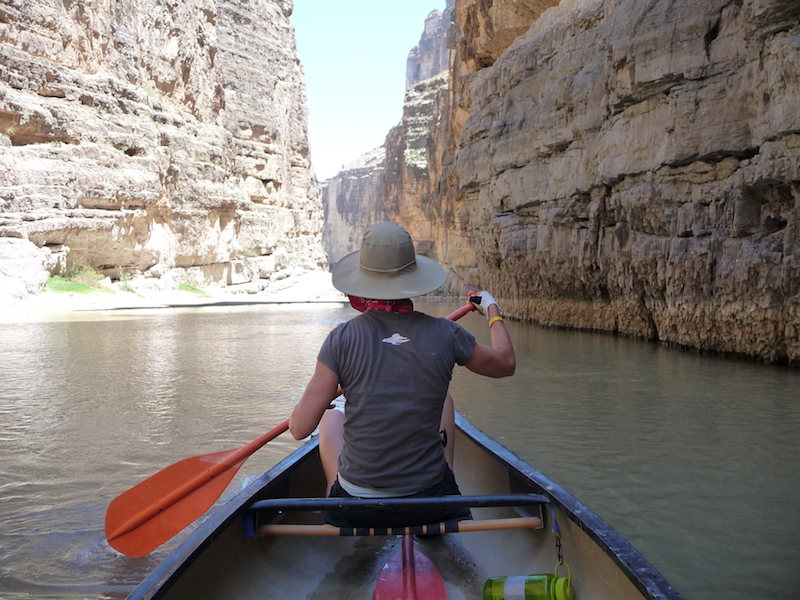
(562, 589)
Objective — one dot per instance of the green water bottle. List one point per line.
(548, 586)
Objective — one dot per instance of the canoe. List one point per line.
(269, 540)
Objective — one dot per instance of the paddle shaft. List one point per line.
(409, 569)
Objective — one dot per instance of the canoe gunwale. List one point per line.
(636, 568)
(158, 582)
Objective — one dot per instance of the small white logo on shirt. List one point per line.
(396, 339)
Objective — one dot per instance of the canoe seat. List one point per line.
(262, 517)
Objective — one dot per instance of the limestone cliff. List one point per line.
(635, 167)
(411, 159)
(618, 166)
(397, 181)
(392, 182)
(154, 137)
(431, 55)
(353, 200)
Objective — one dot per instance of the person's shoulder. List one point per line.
(442, 322)
(345, 326)
(354, 321)
(422, 316)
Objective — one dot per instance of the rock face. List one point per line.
(353, 200)
(411, 159)
(392, 182)
(431, 55)
(635, 168)
(156, 137)
(618, 166)
(397, 181)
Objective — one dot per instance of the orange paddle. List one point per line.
(150, 513)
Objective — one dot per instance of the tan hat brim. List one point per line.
(422, 278)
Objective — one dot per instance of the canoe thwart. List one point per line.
(264, 513)
(297, 504)
(431, 529)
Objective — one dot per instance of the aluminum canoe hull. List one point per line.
(219, 560)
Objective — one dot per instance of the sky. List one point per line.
(354, 56)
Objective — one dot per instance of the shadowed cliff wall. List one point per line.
(352, 201)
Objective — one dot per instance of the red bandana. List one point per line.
(399, 306)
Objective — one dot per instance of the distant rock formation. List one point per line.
(353, 200)
(394, 181)
(163, 139)
(431, 55)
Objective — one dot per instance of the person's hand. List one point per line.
(486, 301)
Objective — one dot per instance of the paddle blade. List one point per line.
(150, 513)
(410, 575)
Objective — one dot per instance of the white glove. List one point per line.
(486, 301)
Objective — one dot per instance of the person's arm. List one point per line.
(498, 360)
(320, 391)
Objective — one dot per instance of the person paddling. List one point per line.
(394, 364)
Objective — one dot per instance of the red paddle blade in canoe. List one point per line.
(153, 511)
(410, 575)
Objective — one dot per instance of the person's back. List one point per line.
(394, 366)
(395, 371)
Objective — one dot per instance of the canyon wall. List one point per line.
(431, 55)
(156, 138)
(397, 180)
(617, 166)
(635, 168)
(352, 201)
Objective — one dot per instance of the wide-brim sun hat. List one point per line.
(387, 267)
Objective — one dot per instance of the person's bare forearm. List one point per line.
(319, 393)
(498, 360)
(501, 340)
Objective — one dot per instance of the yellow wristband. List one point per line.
(493, 319)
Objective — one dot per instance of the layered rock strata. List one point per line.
(635, 167)
(157, 138)
(352, 201)
(397, 181)
(619, 166)
(431, 55)
(393, 182)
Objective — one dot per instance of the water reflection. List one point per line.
(691, 457)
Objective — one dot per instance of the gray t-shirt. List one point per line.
(395, 371)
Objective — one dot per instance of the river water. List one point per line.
(695, 459)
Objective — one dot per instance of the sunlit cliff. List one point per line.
(621, 166)
(165, 140)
